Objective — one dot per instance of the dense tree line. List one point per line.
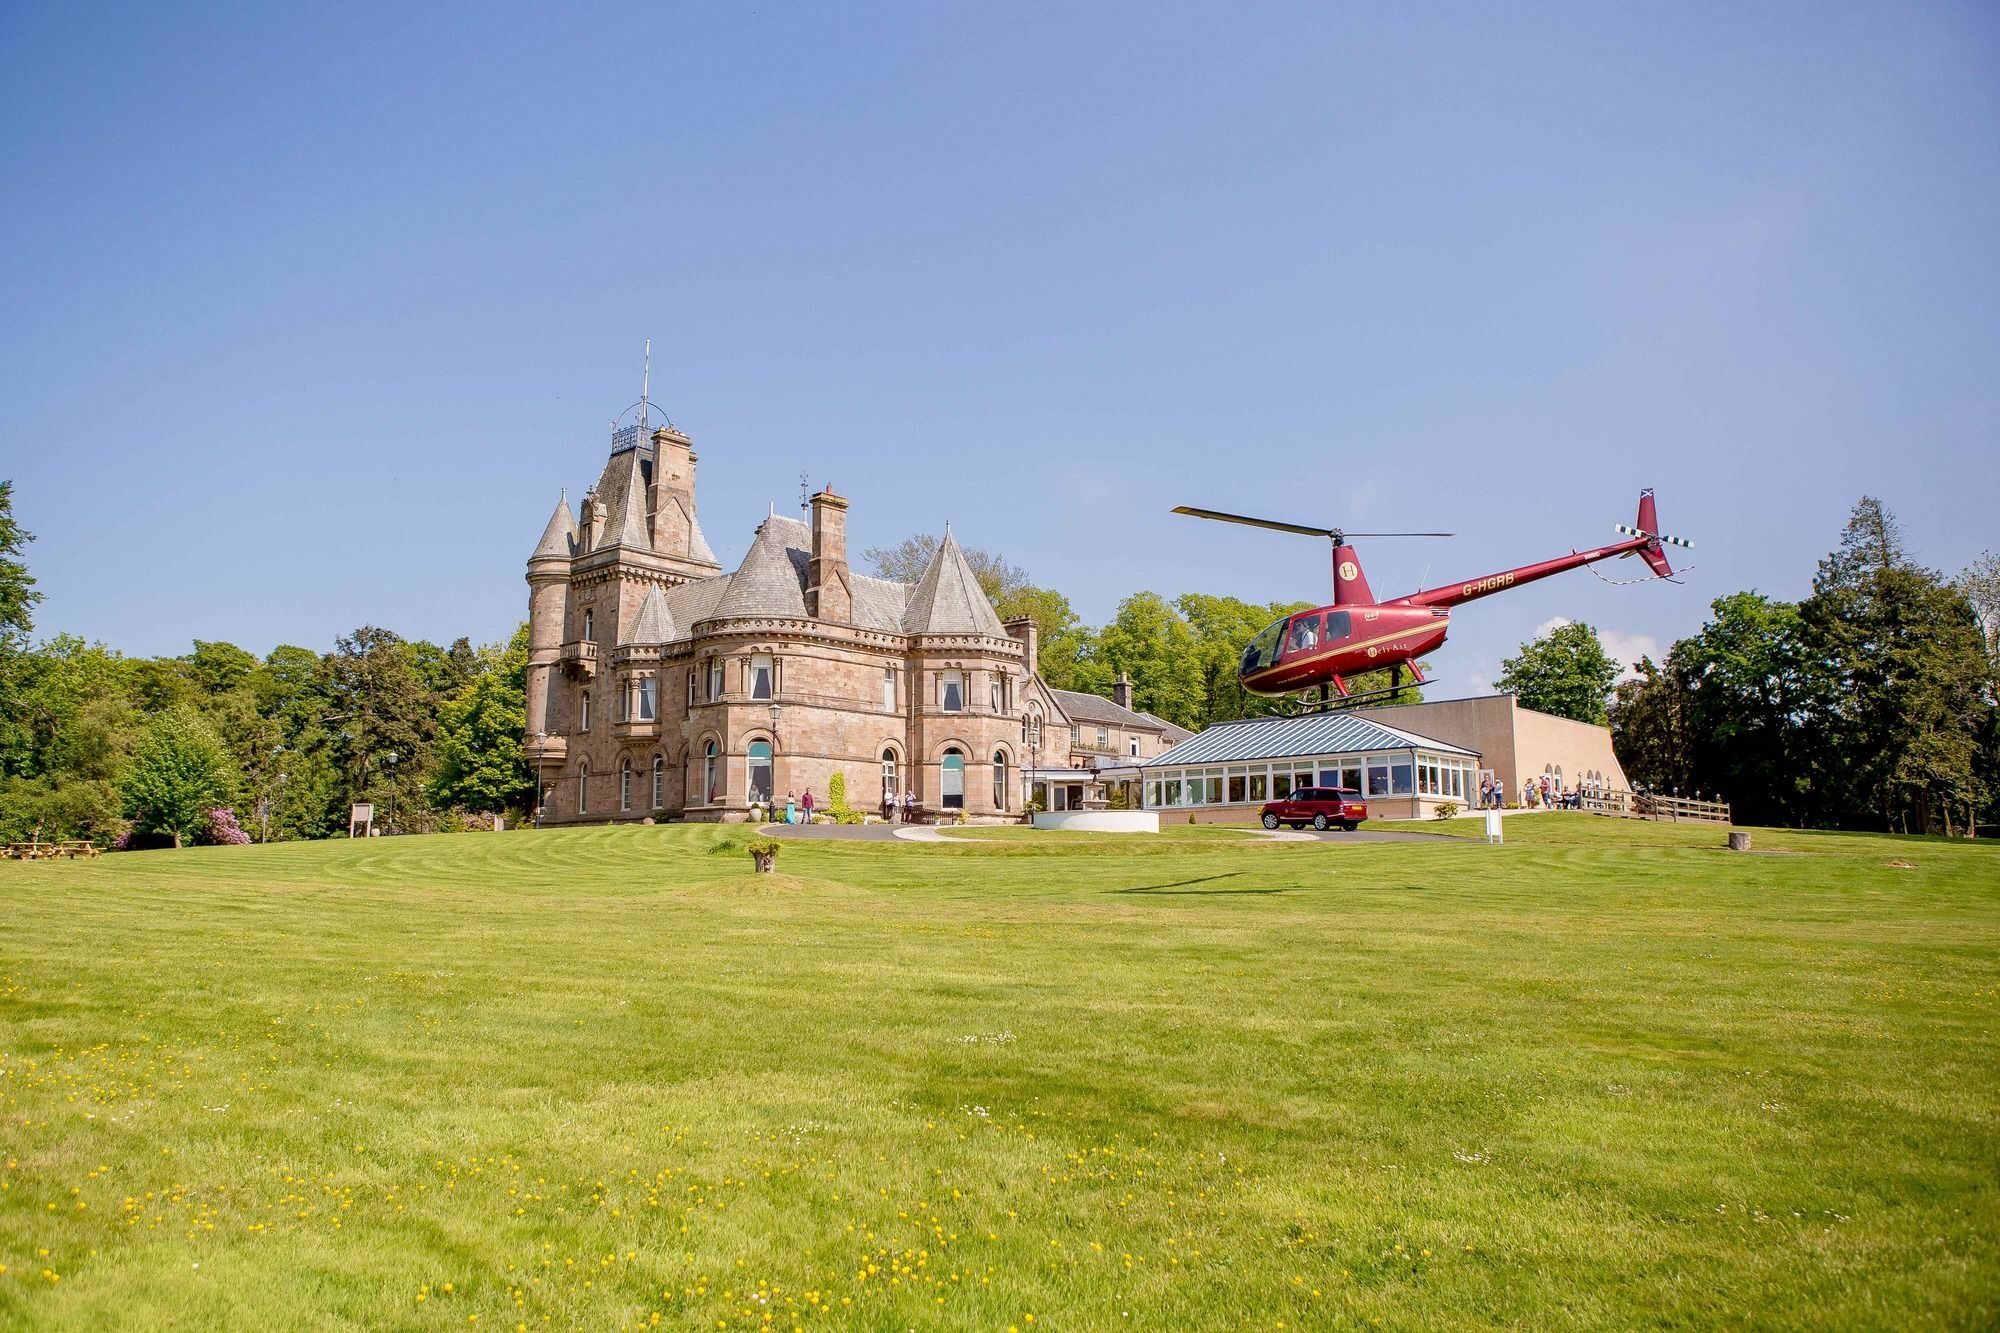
(94, 744)
(1869, 704)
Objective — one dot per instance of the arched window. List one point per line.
(889, 787)
(760, 771)
(951, 791)
(659, 782)
(711, 792)
(586, 712)
(1035, 729)
(624, 784)
(583, 786)
(999, 780)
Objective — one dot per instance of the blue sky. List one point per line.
(305, 317)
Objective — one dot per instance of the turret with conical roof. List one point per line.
(548, 595)
(948, 598)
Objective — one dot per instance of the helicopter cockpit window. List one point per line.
(1305, 632)
(1338, 625)
(1263, 649)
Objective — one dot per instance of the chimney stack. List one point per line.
(1030, 634)
(827, 594)
(1121, 691)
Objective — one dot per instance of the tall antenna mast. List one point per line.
(805, 489)
(646, 393)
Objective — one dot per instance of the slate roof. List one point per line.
(948, 598)
(622, 493)
(1096, 709)
(654, 623)
(771, 579)
(559, 537)
(1294, 737)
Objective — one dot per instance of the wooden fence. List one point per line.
(1664, 809)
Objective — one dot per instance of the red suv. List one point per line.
(1322, 807)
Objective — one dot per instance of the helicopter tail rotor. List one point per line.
(1648, 526)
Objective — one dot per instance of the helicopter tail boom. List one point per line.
(1643, 540)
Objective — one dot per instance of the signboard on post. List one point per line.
(1493, 826)
(361, 820)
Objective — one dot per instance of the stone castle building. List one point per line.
(662, 686)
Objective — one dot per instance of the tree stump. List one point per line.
(1739, 840)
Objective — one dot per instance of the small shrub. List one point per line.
(836, 795)
(1445, 810)
(223, 830)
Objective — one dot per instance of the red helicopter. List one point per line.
(1319, 648)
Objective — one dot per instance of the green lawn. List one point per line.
(1606, 1075)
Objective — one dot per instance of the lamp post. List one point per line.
(390, 758)
(264, 804)
(772, 795)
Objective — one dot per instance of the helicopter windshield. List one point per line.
(1263, 650)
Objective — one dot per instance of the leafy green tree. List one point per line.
(1148, 640)
(479, 760)
(1649, 729)
(1067, 645)
(1565, 672)
(180, 772)
(1746, 682)
(17, 587)
(217, 668)
(1980, 582)
(387, 715)
(17, 603)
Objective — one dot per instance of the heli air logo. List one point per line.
(1486, 585)
(1348, 571)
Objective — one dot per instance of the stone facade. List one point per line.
(660, 686)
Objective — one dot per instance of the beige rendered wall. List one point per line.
(1511, 740)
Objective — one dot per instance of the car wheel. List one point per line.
(1349, 827)
(1319, 822)
(1270, 821)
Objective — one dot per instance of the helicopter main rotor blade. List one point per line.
(1254, 522)
(1335, 533)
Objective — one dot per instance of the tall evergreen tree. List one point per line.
(1907, 683)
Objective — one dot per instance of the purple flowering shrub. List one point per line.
(223, 830)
